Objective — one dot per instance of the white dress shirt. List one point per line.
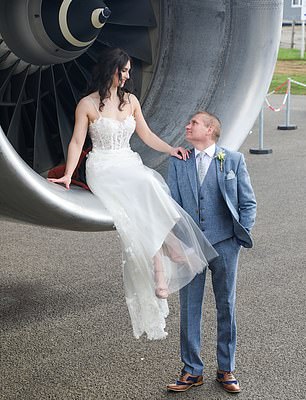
(209, 155)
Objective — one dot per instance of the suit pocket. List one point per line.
(230, 175)
(231, 187)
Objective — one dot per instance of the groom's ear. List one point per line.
(211, 131)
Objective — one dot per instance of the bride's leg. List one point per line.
(175, 251)
(161, 287)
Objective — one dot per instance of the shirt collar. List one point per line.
(210, 151)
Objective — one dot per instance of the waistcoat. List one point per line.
(215, 219)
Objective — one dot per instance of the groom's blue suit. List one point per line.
(224, 208)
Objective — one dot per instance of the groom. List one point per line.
(214, 187)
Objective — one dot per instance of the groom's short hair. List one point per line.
(213, 121)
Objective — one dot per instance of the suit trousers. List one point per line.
(224, 276)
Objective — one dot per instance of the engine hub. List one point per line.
(43, 32)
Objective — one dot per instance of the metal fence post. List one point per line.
(261, 149)
(287, 126)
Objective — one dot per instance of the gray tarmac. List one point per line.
(65, 330)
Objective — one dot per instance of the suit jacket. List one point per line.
(233, 181)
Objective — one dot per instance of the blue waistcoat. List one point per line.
(215, 219)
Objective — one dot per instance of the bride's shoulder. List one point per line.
(131, 98)
(88, 99)
(87, 102)
(134, 103)
(85, 106)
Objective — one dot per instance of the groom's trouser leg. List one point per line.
(224, 277)
(191, 299)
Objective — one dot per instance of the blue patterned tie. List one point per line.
(201, 166)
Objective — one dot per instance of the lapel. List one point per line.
(221, 181)
(191, 168)
(220, 174)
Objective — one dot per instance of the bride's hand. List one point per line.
(65, 180)
(180, 153)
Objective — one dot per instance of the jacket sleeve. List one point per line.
(246, 197)
(173, 182)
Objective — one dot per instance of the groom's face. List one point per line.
(199, 132)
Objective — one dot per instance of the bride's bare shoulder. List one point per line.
(84, 106)
(89, 98)
(87, 102)
(132, 98)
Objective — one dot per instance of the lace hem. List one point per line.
(142, 314)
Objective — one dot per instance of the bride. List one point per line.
(162, 247)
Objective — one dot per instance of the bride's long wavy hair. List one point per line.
(103, 74)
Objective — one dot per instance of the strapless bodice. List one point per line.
(111, 134)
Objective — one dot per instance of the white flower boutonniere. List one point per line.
(221, 157)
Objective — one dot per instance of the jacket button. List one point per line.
(202, 219)
(197, 211)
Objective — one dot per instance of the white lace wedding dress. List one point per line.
(156, 233)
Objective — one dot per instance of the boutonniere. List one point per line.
(221, 157)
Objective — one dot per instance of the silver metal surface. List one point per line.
(24, 32)
(28, 197)
(214, 54)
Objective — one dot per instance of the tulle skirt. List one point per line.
(162, 246)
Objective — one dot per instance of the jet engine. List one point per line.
(217, 55)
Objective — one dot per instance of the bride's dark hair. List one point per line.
(103, 74)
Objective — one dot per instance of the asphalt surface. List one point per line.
(65, 331)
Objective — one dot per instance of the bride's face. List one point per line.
(125, 75)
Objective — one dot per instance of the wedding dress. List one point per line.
(156, 233)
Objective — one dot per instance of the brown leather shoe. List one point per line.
(228, 381)
(185, 382)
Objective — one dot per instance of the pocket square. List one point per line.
(230, 175)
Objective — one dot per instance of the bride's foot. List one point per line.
(161, 293)
(161, 286)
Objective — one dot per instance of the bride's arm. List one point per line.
(76, 143)
(150, 138)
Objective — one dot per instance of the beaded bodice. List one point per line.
(111, 134)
